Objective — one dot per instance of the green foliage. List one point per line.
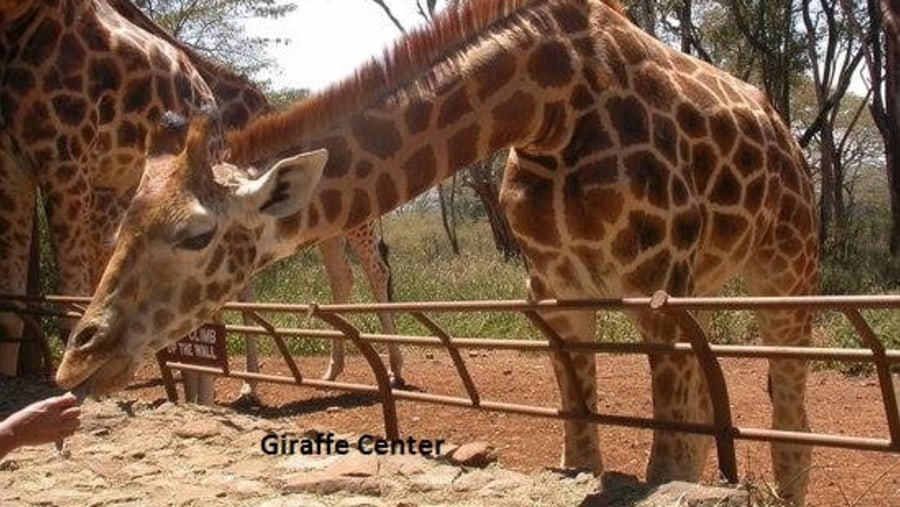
(285, 97)
(213, 27)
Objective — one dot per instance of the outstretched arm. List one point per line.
(41, 422)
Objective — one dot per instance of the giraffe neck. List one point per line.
(237, 98)
(508, 87)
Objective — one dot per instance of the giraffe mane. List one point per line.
(420, 48)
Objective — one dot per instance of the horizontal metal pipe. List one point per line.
(740, 433)
(817, 439)
(276, 379)
(734, 351)
(629, 303)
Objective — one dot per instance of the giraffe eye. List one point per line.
(198, 242)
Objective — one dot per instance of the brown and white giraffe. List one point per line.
(82, 81)
(634, 169)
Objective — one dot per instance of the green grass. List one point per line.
(425, 269)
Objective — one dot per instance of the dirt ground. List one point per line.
(837, 404)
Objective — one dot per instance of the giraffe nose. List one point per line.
(83, 336)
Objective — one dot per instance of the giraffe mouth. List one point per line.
(82, 390)
(94, 362)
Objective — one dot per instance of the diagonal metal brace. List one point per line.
(388, 403)
(279, 342)
(883, 368)
(455, 356)
(558, 345)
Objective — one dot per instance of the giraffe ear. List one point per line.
(287, 187)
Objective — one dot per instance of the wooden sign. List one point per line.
(203, 347)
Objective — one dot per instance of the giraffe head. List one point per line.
(194, 233)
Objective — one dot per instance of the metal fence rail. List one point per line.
(722, 428)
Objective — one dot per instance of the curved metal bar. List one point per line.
(883, 370)
(558, 345)
(455, 356)
(279, 342)
(715, 382)
(388, 404)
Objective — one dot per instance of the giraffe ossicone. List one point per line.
(633, 168)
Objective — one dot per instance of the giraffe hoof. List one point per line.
(397, 382)
(247, 400)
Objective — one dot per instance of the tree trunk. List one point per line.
(481, 180)
(891, 117)
(646, 16)
(685, 18)
(448, 215)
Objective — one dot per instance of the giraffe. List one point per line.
(633, 168)
(83, 81)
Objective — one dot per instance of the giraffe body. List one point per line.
(83, 83)
(634, 169)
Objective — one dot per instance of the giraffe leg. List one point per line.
(248, 388)
(771, 273)
(581, 444)
(340, 276)
(680, 393)
(73, 243)
(372, 253)
(17, 201)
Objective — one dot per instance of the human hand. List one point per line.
(44, 421)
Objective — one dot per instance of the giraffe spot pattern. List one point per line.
(454, 107)
(418, 115)
(589, 136)
(649, 178)
(630, 120)
(340, 157)
(191, 294)
(376, 136)
(728, 190)
(512, 119)
(105, 77)
(331, 204)
(421, 170)
(71, 55)
(533, 208)
(43, 43)
(686, 229)
(137, 94)
(748, 159)
(70, 109)
(724, 131)
(462, 147)
(386, 193)
(653, 85)
(665, 137)
(643, 233)
(363, 169)
(650, 274)
(360, 208)
(570, 19)
(550, 65)
(704, 163)
(727, 230)
(492, 77)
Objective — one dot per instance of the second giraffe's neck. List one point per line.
(508, 86)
